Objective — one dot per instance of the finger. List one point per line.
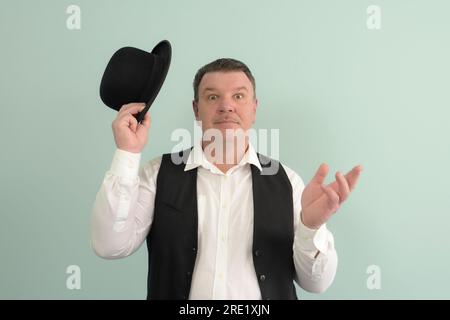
(125, 119)
(145, 124)
(132, 108)
(332, 197)
(133, 123)
(344, 189)
(128, 120)
(124, 109)
(353, 176)
(321, 173)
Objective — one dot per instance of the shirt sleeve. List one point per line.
(123, 208)
(315, 257)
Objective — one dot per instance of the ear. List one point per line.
(255, 106)
(195, 108)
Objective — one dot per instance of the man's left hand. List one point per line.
(320, 201)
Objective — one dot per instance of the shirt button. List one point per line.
(224, 206)
(262, 277)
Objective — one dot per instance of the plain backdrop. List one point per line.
(338, 91)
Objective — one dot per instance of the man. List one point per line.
(217, 229)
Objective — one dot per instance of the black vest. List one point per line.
(172, 240)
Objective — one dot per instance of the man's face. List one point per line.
(226, 100)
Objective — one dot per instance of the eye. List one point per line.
(239, 96)
(212, 97)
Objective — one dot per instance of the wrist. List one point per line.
(308, 224)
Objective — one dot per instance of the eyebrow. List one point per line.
(235, 89)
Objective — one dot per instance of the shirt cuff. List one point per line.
(312, 239)
(125, 164)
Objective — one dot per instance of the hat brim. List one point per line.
(162, 51)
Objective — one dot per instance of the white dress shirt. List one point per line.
(123, 212)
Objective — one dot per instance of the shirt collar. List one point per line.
(197, 158)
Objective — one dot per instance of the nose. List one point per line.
(226, 105)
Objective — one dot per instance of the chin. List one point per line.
(225, 128)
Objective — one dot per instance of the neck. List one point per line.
(225, 155)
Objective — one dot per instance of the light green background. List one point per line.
(339, 93)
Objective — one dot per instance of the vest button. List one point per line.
(188, 274)
(257, 253)
(194, 249)
(262, 277)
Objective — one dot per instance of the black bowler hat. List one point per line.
(135, 75)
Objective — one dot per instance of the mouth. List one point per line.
(226, 121)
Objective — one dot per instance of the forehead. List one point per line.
(225, 81)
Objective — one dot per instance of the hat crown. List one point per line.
(134, 75)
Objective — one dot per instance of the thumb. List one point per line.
(321, 173)
(133, 124)
(146, 122)
(144, 125)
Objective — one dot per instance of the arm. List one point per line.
(318, 203)
(315, 257)
(123, 209)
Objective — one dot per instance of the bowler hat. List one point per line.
(135, 75)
